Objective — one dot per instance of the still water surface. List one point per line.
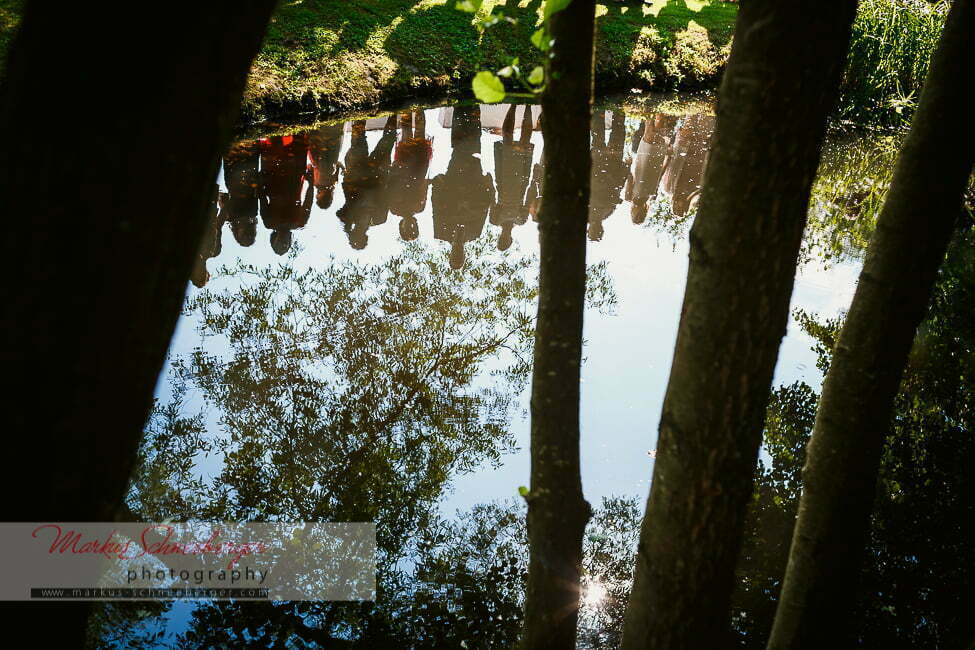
(356, 345)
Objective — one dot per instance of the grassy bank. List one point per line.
(325, 56)
(9, 17)
(890, 48)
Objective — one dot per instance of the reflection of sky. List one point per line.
(627, 353)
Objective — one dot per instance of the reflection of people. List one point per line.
(365, 182)
(243, 188)
(210, 243)
(462, 196)
(285, 171)
(535, 189)
(682, 178)
(610, 172)
(324, 146)
(408, 176)
(652, 155)
(512, 168)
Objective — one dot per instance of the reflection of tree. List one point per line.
(917, 585)
(127, 624)
(351, 393)
(463, 588)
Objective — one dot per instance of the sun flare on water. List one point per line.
(594, 594)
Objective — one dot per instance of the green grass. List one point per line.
(327, 56)
(891, 46)
(321, 55)
(9, 19)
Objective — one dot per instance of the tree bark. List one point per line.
(839, 478)
(112, 118)
(780, 84)
(557, 511)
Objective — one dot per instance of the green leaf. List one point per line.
(538, 38)
(506, 71)
(523, 491)
(488, 87)
(537, 76)
(470, 6)
(541, 40)
(555, 6)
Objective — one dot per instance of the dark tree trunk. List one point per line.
(557, 511)
(112, 119)
(779, 86)
(912, 235)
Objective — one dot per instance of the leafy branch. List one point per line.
(488, 86)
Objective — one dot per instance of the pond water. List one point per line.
(356, 346)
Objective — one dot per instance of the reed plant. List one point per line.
(891, 45)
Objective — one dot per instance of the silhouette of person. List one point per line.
(365, 182)
(210, 243)
(512, 168)
(324, 147)
(287, 197)
(243, 181)
(652, 155)
(682, 179)
(462, 196)
(610, 172)
(408, 175)
(638, 136)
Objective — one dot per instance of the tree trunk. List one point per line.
(557, 511)
(912, 235)
(779, 86)
(112, 118)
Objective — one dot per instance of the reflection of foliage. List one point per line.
(166, 484)
(847, 195)
(849, 192)
(661, 218)
(917, 581)
(127, 624)
(348, 393)
(341, 383)
(608, 550)
(772, 511)
(463, 588)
